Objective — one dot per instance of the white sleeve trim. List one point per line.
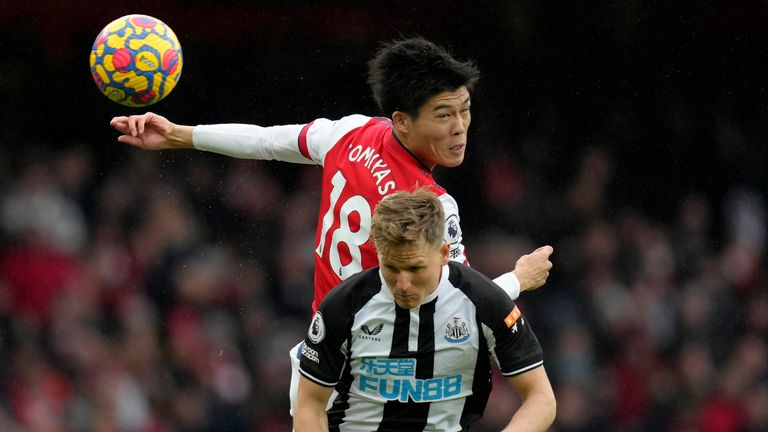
(315, 380)
(521, 370)
(510, 284)
(251, 141)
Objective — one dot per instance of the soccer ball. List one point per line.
(136, 60)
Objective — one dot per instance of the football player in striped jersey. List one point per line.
(407, 345)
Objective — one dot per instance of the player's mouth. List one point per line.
(405, 298)
(407, 302)
(457, 149)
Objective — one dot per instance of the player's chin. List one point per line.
(452, 160)
(454, 155)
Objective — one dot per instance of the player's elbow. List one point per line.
(549, 407)
(546, 406)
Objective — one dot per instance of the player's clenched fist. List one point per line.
(532, 270)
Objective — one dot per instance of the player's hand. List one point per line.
(532, 270)
(147, 131)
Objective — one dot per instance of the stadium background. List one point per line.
(162, 291)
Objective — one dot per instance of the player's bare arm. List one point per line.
(532, 270)
(151, 131)
(310, 414)
(538, 409)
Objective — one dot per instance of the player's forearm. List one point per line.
(536, 414)
(246, 141)
(309, 419)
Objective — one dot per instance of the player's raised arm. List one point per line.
(532, 270)
(530, 273)
(151, 131)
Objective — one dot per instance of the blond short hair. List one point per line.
(407, 219)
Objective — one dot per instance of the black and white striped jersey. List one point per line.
(421, 369)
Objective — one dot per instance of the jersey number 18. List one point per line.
(342, 233)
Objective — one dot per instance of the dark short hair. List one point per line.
(405, 73)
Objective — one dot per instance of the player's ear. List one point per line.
(402, 121)
(445, 248)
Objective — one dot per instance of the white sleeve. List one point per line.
(508, 281)
(246, 141)
(301, 143)
(453, 229)
(322, 134)
(510, 284)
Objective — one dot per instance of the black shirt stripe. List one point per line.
(412, 416)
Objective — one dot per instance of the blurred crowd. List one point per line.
(158, 292)
(163, 291)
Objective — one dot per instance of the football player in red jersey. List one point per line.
(426, 92)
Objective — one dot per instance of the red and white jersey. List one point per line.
(362, 162)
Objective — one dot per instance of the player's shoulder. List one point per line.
(445, 198)
(450, 210)
(461, 275)
(323, 134)
(361, 124)
(327, 132)
(344, 124)
(479, 288)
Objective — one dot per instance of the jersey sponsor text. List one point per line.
(310, 354)
(394, 379)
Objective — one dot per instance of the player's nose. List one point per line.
(459, 125)
(403, 281)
